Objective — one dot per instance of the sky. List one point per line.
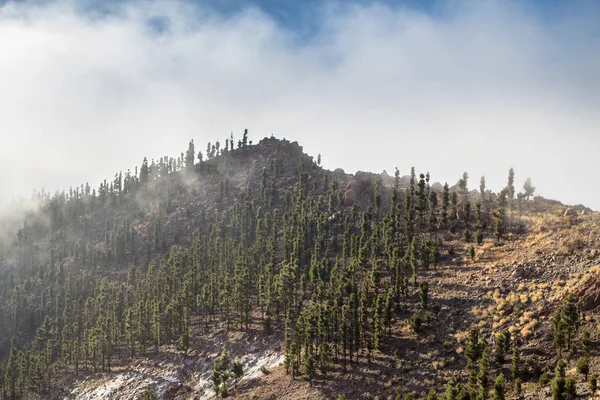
(90, 88)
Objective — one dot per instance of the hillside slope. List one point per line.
(321, 284)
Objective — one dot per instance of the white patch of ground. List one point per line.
(253, 365)
(161, 376)
(129, 384)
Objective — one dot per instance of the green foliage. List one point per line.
(237, 370)
(499, 388)
(221, 373)
(310, 367)
(473, 349)
(569, 317)
(516, 363)
(415, 322)
(479, 237)
(148, 394)
(503, 341)
(483, 381)
(570, 389)
(432, 395)
(559, 382)
(583, 366)
(518, 387)
(544, 380)
(593, 383)
(452, 389)
(184, 340)
(564, 322)
(586, 342)
(528, 188)
(467, 236)
(423, 294)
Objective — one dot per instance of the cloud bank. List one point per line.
(475, 86)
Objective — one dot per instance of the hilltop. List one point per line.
(321, 284)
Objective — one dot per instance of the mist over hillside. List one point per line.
(410, 216)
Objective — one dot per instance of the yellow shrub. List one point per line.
(524, 298)
(512, 298)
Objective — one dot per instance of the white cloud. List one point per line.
(481, 87)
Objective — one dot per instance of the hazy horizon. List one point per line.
(448, 87)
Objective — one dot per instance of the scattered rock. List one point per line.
(524, 272)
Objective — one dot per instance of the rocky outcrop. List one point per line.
(589, 294)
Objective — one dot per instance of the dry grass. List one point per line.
(461, 336)
(500, 306)
(438, 365)
(524, 298)
(594, 269)
(480, 313)
(513, 298)
(500, 323)
(537, 296)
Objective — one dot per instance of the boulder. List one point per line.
(589, 293)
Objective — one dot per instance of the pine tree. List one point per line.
(479, 237)
(570, 389)
(499, 389)
(483, 375)
(528, 188)
(559, 383)
(184, 340)
(518, 387)
(237, 370)
(445, 203)
(432, 395)
(221, 373)
(452, 389)
(583, 366)
(511, 184)
(559, 338)
(148, 394)
(569, 318)
(516, 363)
(502, 345)
(586, 342)
(423, 294)
(190, 155)
(11, 372)
(309, 367)
(473, 347)
(144, 172)
(500, 215)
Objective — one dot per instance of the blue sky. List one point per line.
(302, 16)
(445, 86)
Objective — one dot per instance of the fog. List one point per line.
(474, 86)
